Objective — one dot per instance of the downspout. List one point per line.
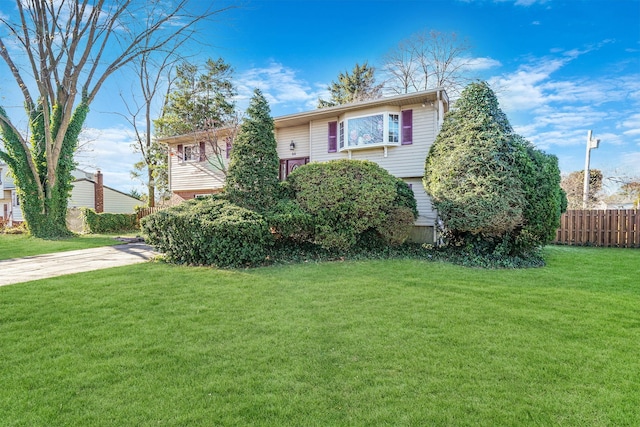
(440, 109)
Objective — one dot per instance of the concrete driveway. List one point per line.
(58, 264)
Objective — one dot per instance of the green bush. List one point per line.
(545, 200)
(345, 198)
(210, 231)
(288, 220)
(108, 222)
(469, 173)
(495, 193)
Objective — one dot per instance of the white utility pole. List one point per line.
(591, 143)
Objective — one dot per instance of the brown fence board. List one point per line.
(619, 228)
(142, 212)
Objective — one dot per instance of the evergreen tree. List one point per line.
(491, 187)
(198, 101)
(358, 86)
(469, 170)
(252, 177)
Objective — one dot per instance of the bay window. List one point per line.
(375, 130)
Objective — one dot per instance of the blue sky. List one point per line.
(559, 67)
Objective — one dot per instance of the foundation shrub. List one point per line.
(210, 231)
(345, 198)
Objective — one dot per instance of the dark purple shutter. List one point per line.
(407, 127)
(333, 137)
(203, 148)
(180, 153)
(228, 147)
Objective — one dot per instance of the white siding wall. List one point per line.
(15, 209)
(82, 195)
(299, 135)
(426, 214)
(406, 161)
(319, 135)
(116, 202)
(194, 175)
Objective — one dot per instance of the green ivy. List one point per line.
(44, 210)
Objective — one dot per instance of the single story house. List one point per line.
(396, 132)
(88, 191)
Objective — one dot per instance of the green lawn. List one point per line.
(21, 245)
(372, 343)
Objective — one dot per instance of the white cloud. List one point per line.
(631, 125)
(110, 150)
(477, 64)
(280, 85)
(529, 2)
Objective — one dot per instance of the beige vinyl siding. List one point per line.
(403, 161)
(194, 175)
(319, 133)
(82, 195)
(299, 135)
(117, 202)
(406, 161)
(426, 215)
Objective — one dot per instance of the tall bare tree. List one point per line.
(572, 184)
(71, 48)
(427, 60)
(153, 72)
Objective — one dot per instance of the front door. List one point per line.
(289, 165)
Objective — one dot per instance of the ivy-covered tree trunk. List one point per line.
(43, 190)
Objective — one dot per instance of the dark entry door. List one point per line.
(289, 165)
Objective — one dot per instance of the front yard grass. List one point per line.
(400, 342)
(21, 245)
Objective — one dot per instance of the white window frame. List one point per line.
(193, 151)
(347, 135)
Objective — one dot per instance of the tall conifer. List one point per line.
(252, 177)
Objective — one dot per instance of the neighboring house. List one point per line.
(10, 212)
(616, 201)
(88, 192)
(395, 132)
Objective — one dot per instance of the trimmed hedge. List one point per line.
(342, 199)
(210, 231)
(496, 194)
(108, 222)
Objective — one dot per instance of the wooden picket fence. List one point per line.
(142, 212)
(618, 228)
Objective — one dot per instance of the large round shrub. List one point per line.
(348, 197)
(493, 190)
(210, 231)
(469, 171)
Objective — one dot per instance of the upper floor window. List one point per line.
(191, 153)
(370, 131)
(394, 128)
